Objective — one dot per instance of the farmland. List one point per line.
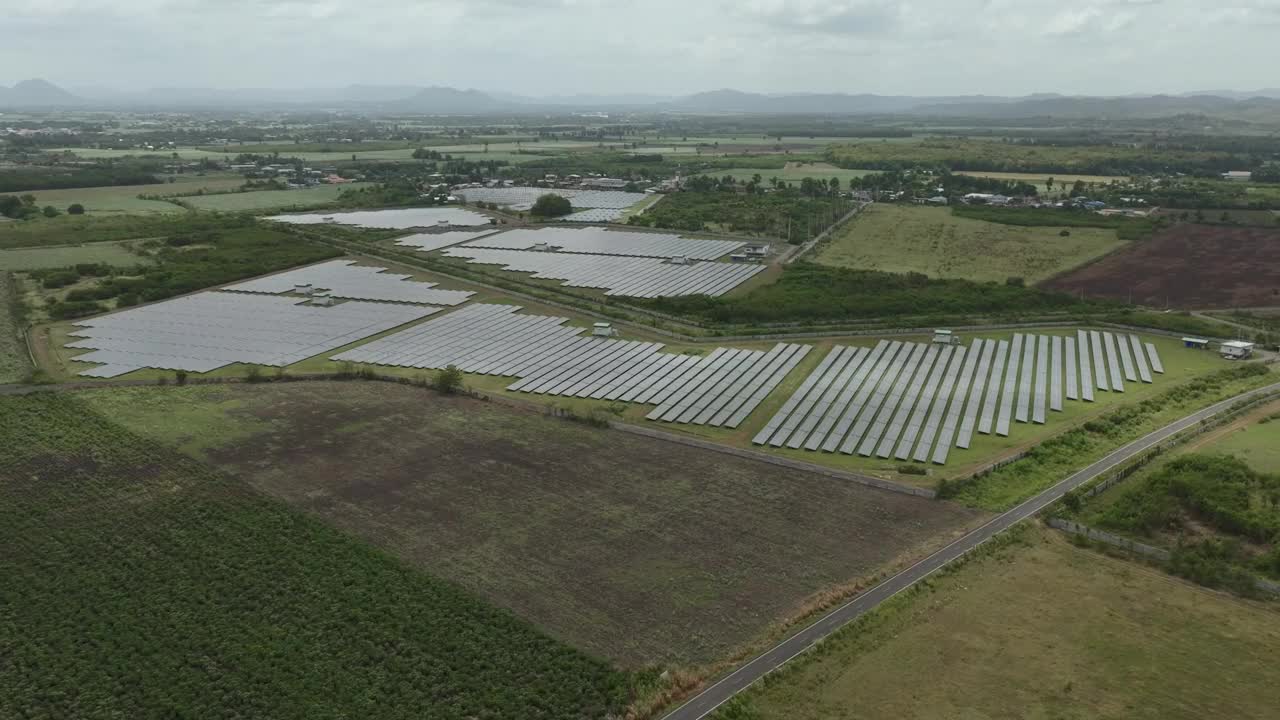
(140, 582)
(1061, 182)
(591, 534)
(270, 199)
(794, 172)
(932, 241)
(1188, 266)
(1037, 628)
(105, 253)
(123, 199)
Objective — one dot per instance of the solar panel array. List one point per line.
(426, 242)
(397, 219)
(603, 241)
(345, 279)
(552, 358)
(595, 215)
(523, 198)
(630, 276)
(209, 330)
(914, 401)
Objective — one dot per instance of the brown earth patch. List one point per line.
(1187, 266)
(630, 548)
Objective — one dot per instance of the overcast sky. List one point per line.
(909, 47)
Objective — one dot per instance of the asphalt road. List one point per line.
(708, 700)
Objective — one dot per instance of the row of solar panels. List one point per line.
(603, 241)
(209, 330)
(345, 279)
(552, 358)
(911, 400)
(523, 198)
(623, 276)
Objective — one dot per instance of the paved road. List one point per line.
(712, 697)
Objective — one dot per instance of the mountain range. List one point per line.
(40, 94)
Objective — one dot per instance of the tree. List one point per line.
(50, 211)
(1048, 184)
(449, 380)
(75, 209)
(551, 205)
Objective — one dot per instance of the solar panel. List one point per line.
(902, 400)
(909, 358)
(1086, 372)
(1113, 362)
(396, 219)
(911, 416)
(935, 419)
(1100, 373)
(779, 418)
(1041, 379)
(964, 387)
(1055, 376)
(810, 411)
(1023, 407)
(823, 432)
(1126, 361)
(993, 387)
(1154, 357)
(607, 241)
(1069, 355)
(1010, 385)
(1139, 358)
(345, 279)
(976, 394)
(857, 406)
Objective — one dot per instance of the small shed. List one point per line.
(757, 250)
(1195, 343)
(321, 298)
(302, 288)
(738, 257)
(603, 329)
(945, 337)
(679, 260)
(1236, 349)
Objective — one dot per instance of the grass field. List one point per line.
(185, 153)
(123, 199)
(142, 583)
(14, 363)
(270, 199)
(793, 173)
(631, 548)
(900, 238)
(106, 253)
(1038, 629)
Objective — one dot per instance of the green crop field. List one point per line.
(184, 153)
(123, 199)
(928, 240)
(592, 534)
(139, 582)
(1060, 182)
(105, 253)
(270, 199)
(1037, 628)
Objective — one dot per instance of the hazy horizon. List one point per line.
(608, 47)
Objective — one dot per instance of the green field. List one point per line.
(1256, 443)
(184, 153)
(142, 583)
(123, 199)
(929, 240)
(1037, 628)
(1039, 179)
(271, 199)
(105, 253)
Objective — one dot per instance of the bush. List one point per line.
(180, 377)
(449, 380)
(1064, 233)
(75, 209)
(551, 205)
(50, 211)
(909, 469)
(60, 279)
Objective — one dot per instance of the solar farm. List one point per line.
(915, 401)
(398, 219)
(551, 358)
(345, 279)
(602, 241)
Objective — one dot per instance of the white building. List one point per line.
(1236, 349)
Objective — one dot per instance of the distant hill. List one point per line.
(450, 101)
(36, 93)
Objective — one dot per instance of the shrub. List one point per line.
(50, 211)
(910, 469)
(180, 377)
(59, 279)
(449, 380)
(75, 209)
(551, 205)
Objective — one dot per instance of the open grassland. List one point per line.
(270, 199)
(1037, 628)
(1255, 441)
(631, 548)
(141, 583)
(987, 156)
(184, 153)
(1188, 266)
(123, 199)
(14, 363)
(104, 253)
(900, 238)
(82, 229)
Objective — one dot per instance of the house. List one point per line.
(1236, 349)
(758, 251)
(605, 183)
(1237, 175)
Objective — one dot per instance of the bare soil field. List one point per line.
(630, 548)
(1188, 266)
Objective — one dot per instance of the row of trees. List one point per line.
(22, 207)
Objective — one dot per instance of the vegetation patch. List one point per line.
(141, 583)
(1037, 628)
(14, 362)
(790, 214)
(943, 243)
